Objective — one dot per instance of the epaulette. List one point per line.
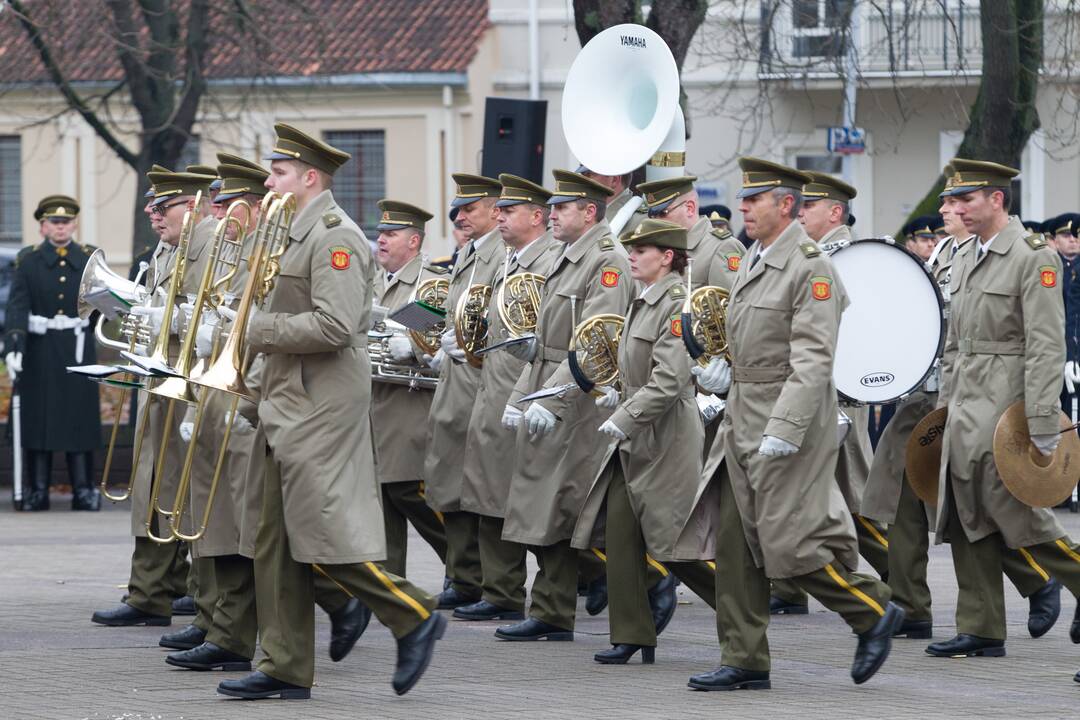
(331, 220)
(88, 249)
(1035, 240)
(437, 269)
(721, 233)
(607, 243)
(676, 292)
(810, 249)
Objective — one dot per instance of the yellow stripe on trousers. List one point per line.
(398, 592)
(854, 590)
(659, 567)
(873, 531)
(1068, 550)
(597, 553)
(423, 496)
(1035, 566)
(326, 575)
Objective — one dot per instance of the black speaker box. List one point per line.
(514, 138)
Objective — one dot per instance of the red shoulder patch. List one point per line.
(821, 288)
(676, 325)
(340, 258)
(1048, 276)
(609, 277)
(733, 262)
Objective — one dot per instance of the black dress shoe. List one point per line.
(184, 606)
(450, 599)
(185, 638)
(346, 627)
(414, 652)
(726, 677)
(915, 630)
(1076, 677)
(127, 616)
(258, 686)
(1044, 607)
(662, 602)
(596, 596)
(620, 654)
(209, 656)
(533, 629)
(1074, 629)
(875, 644)
(780, 606)
(484, 610)
(967, 646)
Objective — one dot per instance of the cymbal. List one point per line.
(922, 455)
(1033, 479)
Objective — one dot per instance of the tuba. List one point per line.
(620, 108)
(594, 352)
(519, 300)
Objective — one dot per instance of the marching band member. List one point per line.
(489, 448)
(320, 502)
(477, 264)
(555, 458)
(778, 480)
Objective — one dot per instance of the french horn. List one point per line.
(594, 352)
(704, 324)
(470, 322)
(432, 292)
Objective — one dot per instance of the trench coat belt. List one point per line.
(547, 352)
(39, 325)
(760, 374)
(630, 390)
(968, 346)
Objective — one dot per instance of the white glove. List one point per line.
(227, 312)
(511, 417)
(435, 362)
(775, 447)
(710, 407)
(1046, 444)
(13, 360)
(187, 429)
(400, 348)
(524, 351)
(241, 423)
(155, 316)
(1072, 375)
(611, 429)
(610, 398)
(450, 347)
(715, 377)
(539, 420)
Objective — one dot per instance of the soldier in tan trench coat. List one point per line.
(646, 498)
(489, 448)
(1006, 342)
(399, 413)
(477, 264)
(783, 319)
(824, 216)
(556, 459)
(320, 501)
(153, 564)
(889, 498)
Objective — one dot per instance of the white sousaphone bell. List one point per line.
(620, 108)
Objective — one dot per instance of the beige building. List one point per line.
(410, 107)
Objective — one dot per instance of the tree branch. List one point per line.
(73, 98)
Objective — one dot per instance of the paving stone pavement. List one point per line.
(57, 567)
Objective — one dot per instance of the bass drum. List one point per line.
(893, 331)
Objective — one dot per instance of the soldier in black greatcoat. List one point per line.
(60, 411)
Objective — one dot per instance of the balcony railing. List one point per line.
(901, 38)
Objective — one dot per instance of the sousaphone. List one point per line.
(1032, 478)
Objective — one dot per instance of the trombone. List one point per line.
(213, 294)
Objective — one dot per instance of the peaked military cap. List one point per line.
(237, 180)
(175, 184)
(924, 225)
(518, 190)
(722, 212)
(575, 186)
(397, 215)
(225, 158)
(1066, 222)
(822, 186)
(471, 188)
(207, 170)
(969, 175)
(660, 233)
(55, 207)
(1035, 226)
(293, 144)
(154, 168)
(762, 175)
(659, 194)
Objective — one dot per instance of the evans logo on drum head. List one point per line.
(877, 379)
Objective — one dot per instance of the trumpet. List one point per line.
(160, 355)
(212, 296)
(519, 299)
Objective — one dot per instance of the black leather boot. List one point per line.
(84, 496)
(40, 462)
